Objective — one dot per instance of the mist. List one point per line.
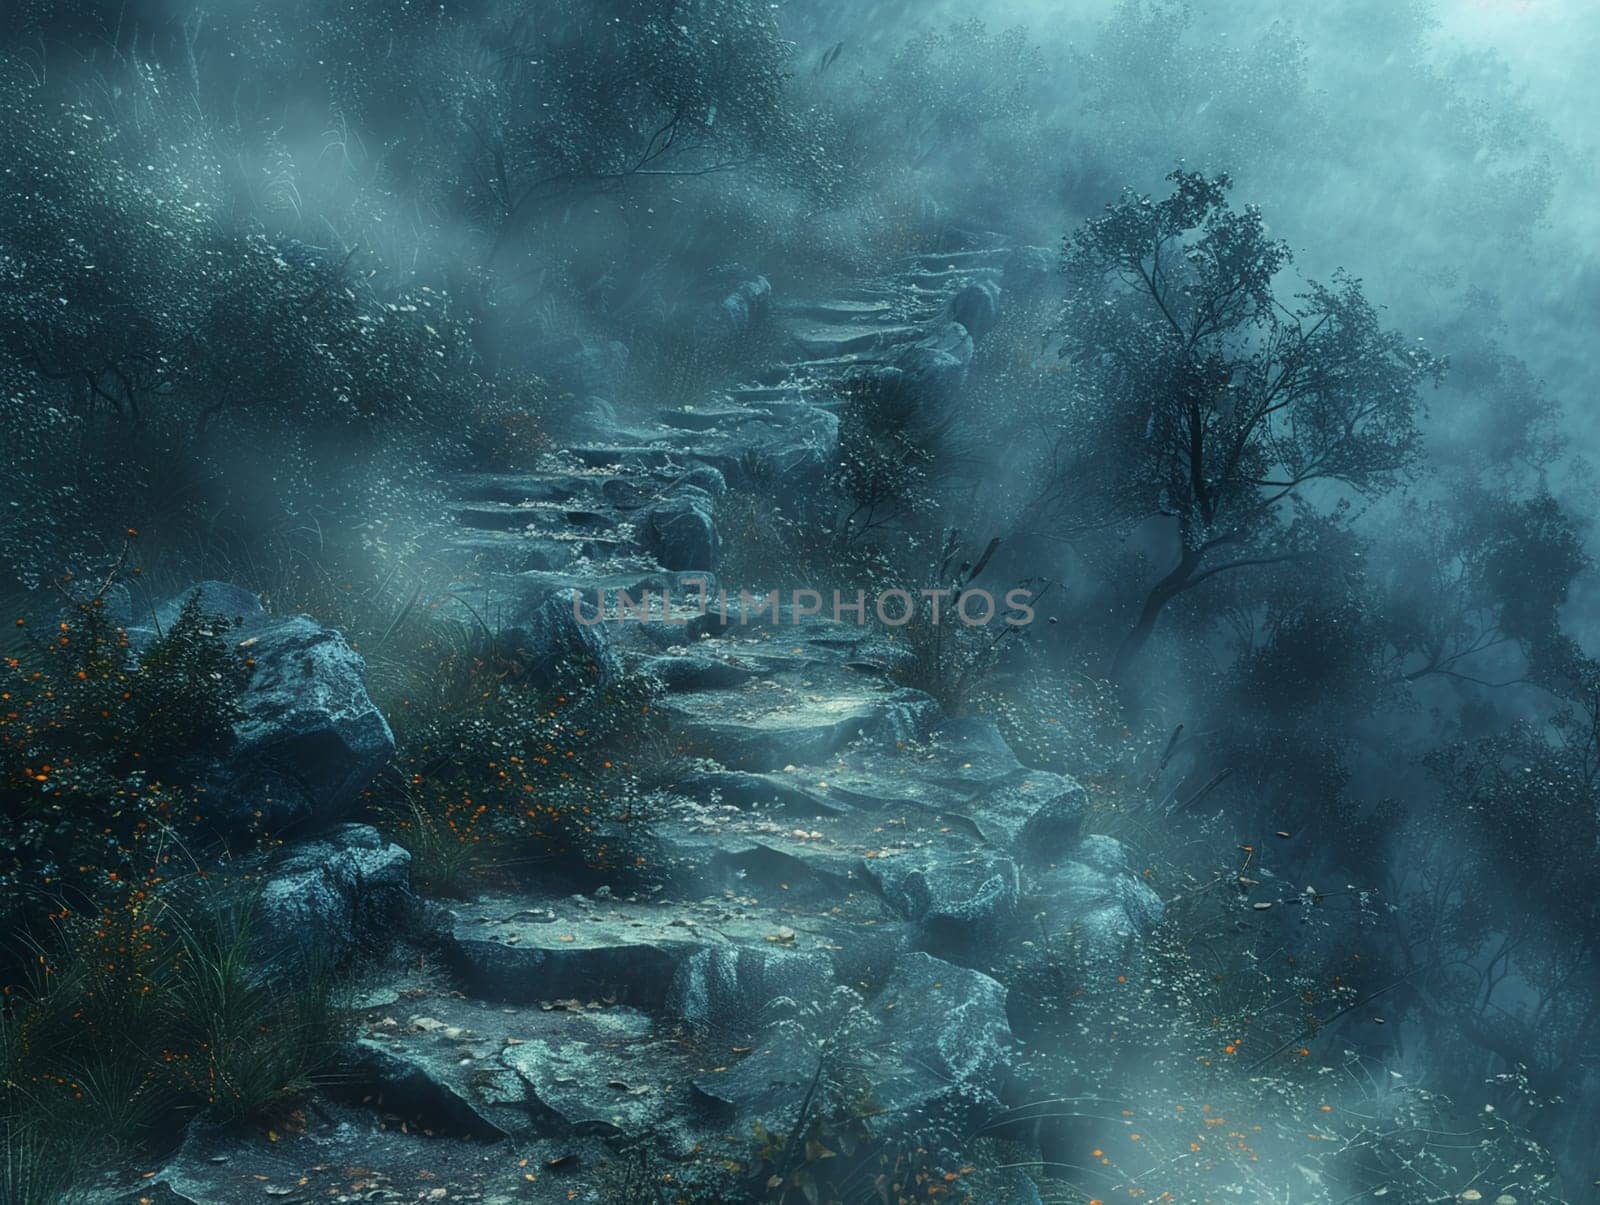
(724, 601)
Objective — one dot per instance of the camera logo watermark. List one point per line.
(893, 608)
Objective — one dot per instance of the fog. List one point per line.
(1256, 342)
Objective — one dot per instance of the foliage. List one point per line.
(1229, 1059)
(1207, 401)
(496, 777)
(129, 1016)
(948, 655)
(1159, 84)
(92, 742)
(152, 345)
(595, 97)
(1519, 981)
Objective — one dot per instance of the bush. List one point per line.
(1229, 1058)
(154, 346)
(149, 1009)
(494, 777)
(91, 742)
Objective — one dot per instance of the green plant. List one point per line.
(90, 742)
(950, 658)
(118, 1022)
(495, 775)
(262, 1039)
(34, 1170)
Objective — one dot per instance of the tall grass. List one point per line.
(118, 1027)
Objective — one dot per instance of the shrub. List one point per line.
(128, 1017)
(1227, 1059)
(496, 776)
(90, 742)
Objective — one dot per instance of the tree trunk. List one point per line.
(1160, 595)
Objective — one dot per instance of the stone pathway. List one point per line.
(839, 833)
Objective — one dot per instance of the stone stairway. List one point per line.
(835, 832)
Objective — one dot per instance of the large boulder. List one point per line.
(948, 1028)
(766, 1087)
(543, 624)
(734, 300)
(1104, 907)
(977, 307)
(1029, 270)
(793, 450)
(324, 900)
(1055, 828)
(934, 367)
(704, 477)
(1036, 814)
(961, 906)
(680, 531)
(309, 739)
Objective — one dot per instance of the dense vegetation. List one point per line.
(1282, 431)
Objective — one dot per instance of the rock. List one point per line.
(766, 1087)
(1029, 270)
(739, 789)
(681, 531)
(976, 307)
(589, 417)
(583, 366)
(426, 1085)
(791, 451)
(704, 477)
(325, 900)
(624, 492)
(1102, 853)
(504, 949)
(961, 906)
(1036, 813)
(732, 990)
(935, 367)
(765, 730)
(737, 300)
(607, 1078)
(218, 1164)
(543, 624)
(697, 671)
(1056, 827)
(309, 739)
(566, 1068)
(948, 1028)
(1106, 911)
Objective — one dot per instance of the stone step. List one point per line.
(506, 516)
(827, 339)
(995, 257)
(521, 950)
(776, 400)
(769, 725)
(823, 372)
(580, 1065)
(627, 456)
(519, 551)
(935, 278)
(709, 418)
(841, 310)
(520, 487)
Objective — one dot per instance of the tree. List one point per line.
(1209, 402)
(593, 97)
